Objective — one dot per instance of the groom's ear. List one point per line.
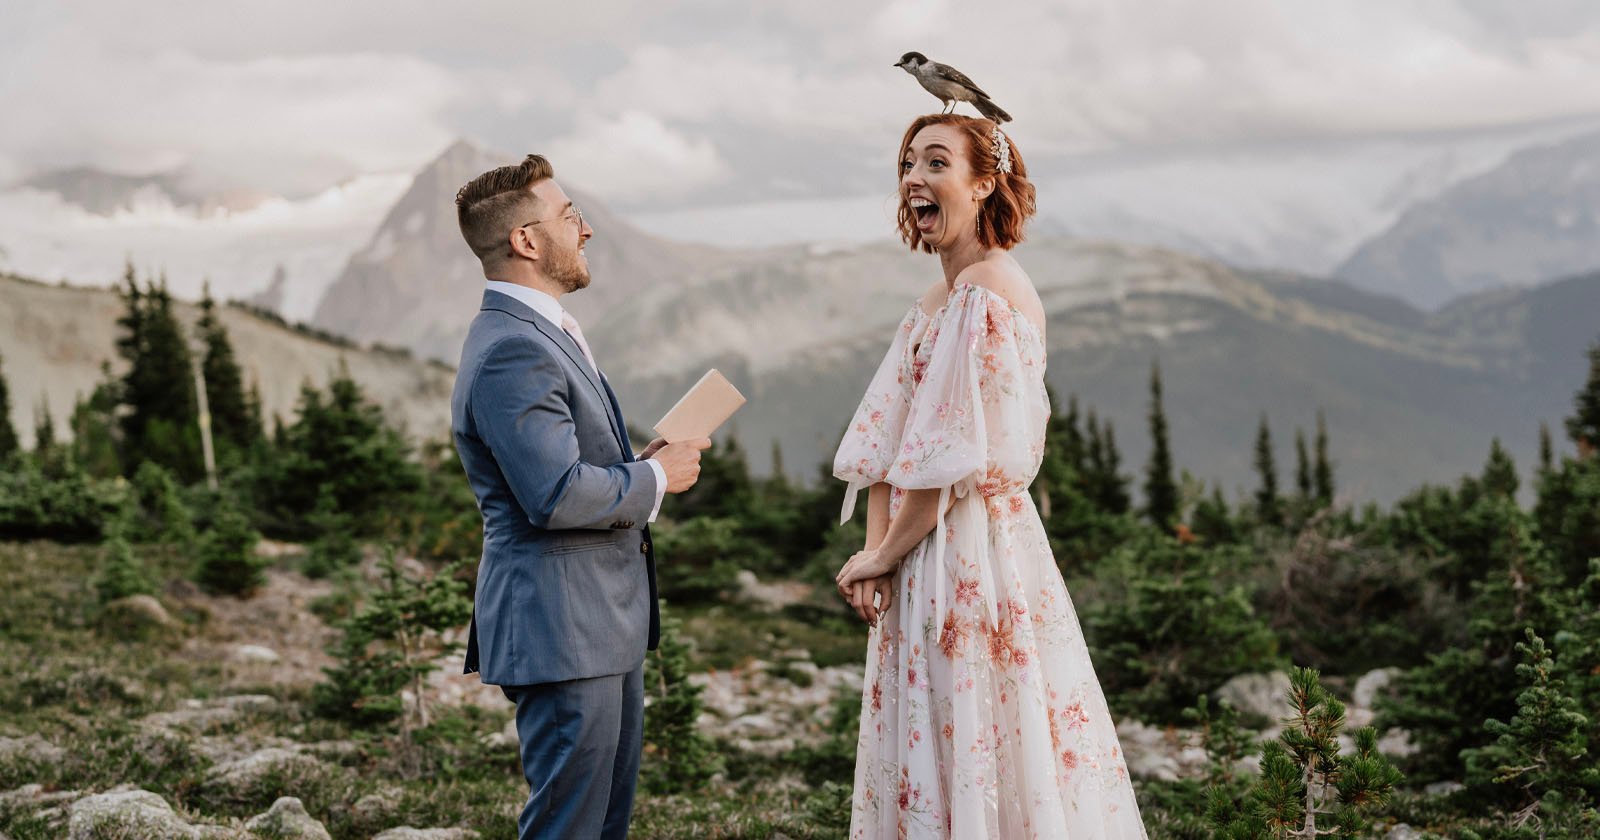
(523, 244)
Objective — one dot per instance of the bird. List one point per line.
(950, 85)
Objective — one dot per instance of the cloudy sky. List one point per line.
(657, 105)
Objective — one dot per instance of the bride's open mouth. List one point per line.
(927, 214)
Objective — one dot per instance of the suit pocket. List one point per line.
(581, 544)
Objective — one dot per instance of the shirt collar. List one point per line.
(547, 307)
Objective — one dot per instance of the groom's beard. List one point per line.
(566, 268)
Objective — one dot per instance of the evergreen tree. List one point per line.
(1108, 488)
(44, 429)
(234, 424)
(1584, 424)
(1306, 788)
(1212, 521)
(228, 563)
(339, 444)
(94, 428)
(389, 645)
(1269, 505)
(121, 574)
(161, 423)
(1499, 472)
(1324, 468)
(1055, 468)
(1546, 450)
(1543, 750)
(1161, 491)
(1302, 467)
(681, 759)
(8, 433)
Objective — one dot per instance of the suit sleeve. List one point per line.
(521, 410)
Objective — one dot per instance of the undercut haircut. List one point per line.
(493, 203)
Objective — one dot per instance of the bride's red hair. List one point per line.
(1005, 211)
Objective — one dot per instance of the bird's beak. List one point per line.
(896, 64)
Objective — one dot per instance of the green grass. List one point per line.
(83, 687)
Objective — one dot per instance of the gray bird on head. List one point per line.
(950, 85)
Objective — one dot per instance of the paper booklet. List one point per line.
(705, 407)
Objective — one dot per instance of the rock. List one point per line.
(241, 778)
(1401, 831)
(286, 819)
(200, 715)
(254, 655)
(1443, 788)
(137, 616)
(769, 597)
(1396, 742)
(127, 813)
(1366, 691)
(35, 796)
(1147, 751)
(505, 739)
(1258, 695)
(31, 747)
(376, 805)
(409, 833)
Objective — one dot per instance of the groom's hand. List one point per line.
(681, 462)
(653, 448)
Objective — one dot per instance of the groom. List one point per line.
(566, 599)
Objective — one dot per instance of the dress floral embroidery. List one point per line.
(982, 716)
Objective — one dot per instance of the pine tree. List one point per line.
(228, 563)
(1546, 450)
(1499, 472)
(681, 759)
(161, 423)
(1306, 788)
(94, 428)
(1324, 468)
(1161, 491)
(1269, 505)
(1543, 750)
(1584, 424)
(44, 429)
(390, 644)
(1108, 488)
(9, 445)
(121, 574)
(1302, 467)
(235, 425)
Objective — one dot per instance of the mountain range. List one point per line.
(54, 339)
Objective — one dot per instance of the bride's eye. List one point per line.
(936, 162)
(905, 166)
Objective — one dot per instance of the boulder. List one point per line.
(287, 820)
(32, 748)
(243, 777)
(254, 655)
(1367, 687)
(127, 813)
(1258, 695)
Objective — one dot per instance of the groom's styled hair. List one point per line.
(493, 203)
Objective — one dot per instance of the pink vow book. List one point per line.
(702, 410)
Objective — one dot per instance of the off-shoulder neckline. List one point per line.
(917, 309)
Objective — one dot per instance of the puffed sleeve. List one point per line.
(976, 418)
(870, 442)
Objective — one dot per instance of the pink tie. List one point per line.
(570, 324)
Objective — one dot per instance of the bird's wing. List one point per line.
(951, 74)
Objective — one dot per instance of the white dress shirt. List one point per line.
(551, 310)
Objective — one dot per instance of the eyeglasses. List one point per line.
(564, 216)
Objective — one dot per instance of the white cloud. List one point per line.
(635, 154)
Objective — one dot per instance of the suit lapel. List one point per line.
(511, 306)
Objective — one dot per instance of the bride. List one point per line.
(981, 714)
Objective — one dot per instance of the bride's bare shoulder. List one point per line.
(1003, 276)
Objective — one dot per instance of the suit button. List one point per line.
(644, 548)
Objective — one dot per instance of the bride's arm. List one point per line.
(918, 516)
(877, 514)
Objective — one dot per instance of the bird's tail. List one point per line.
(990, 110)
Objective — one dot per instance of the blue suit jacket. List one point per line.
(567, 583)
